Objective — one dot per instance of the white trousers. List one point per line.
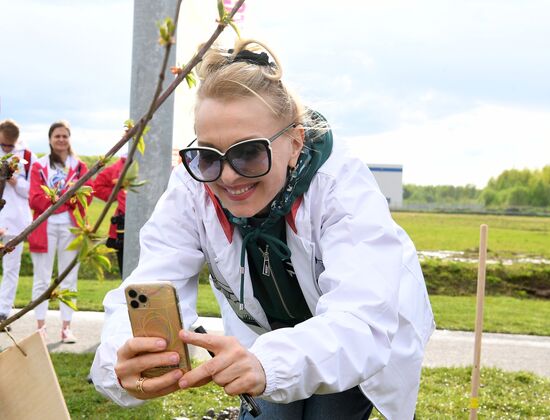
(11, 264)
(59, 237)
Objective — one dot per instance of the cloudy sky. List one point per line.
(455, 91)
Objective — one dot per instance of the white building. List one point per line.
(390, 181)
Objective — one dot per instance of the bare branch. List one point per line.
(138, 128)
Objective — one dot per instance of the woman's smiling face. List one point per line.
(222, 123)
(60, 140)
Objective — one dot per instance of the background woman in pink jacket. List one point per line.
(58, 171)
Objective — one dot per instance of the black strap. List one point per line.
(260, 59)
(27, 156)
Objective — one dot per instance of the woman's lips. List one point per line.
(239, 192)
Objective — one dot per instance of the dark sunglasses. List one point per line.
(7, 146)
(249, 158)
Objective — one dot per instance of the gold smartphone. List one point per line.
(154, 312)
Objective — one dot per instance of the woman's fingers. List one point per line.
(233, 366)
(244, 385)
(200, 375)
(137, 345)
(139, 354)
(155, 387)
(211, 342)
(245, 376)
(145, 361)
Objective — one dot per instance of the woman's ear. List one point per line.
(297, 136)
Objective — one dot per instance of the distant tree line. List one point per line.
(513, 188)
(441, 194)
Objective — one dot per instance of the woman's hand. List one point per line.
(142, 353)
(233, 367)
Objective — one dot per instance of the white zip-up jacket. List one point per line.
(358, 271)
(16, 214)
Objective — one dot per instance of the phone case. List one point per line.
(154, 312)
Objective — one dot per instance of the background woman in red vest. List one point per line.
(103, 186)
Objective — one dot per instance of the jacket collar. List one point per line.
(228, 228)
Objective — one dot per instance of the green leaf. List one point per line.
(51, 193)
(95, 237)
(235, 28)
(98, 270)
(134, 187)
(129, 123)
(145, 130)
(75, 230)
(137, 184)
(102, 160)
(85, 190)
(68, 294)
(85, 249)
(166, 30)
(82, 193)
(103, 261)
(141, 145)
(78, 218)
(75, 243)
(83, 202)
(68, 302)
(170, 26)
(133, 171)
(221, 9)
(191, 80)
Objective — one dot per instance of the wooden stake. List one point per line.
(480, 298)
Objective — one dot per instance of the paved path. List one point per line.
(446, 348)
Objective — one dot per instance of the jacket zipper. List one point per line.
(267, 271)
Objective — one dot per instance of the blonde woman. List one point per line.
(324, 305)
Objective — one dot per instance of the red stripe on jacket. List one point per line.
(227, 227)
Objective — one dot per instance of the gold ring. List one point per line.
(139, 384)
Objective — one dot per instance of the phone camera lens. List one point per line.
(134, 304)
(142, 298)
(132, 293)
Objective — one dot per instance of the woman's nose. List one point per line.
(228, 175)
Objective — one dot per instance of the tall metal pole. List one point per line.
(155, 164)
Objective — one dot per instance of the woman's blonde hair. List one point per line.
(224, 76)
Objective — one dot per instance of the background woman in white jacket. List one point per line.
(16, 214)
(322, 297)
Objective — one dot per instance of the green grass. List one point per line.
(502, 314)
(96, 207)
(444, 391)
(508, 235)
(84, 402)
